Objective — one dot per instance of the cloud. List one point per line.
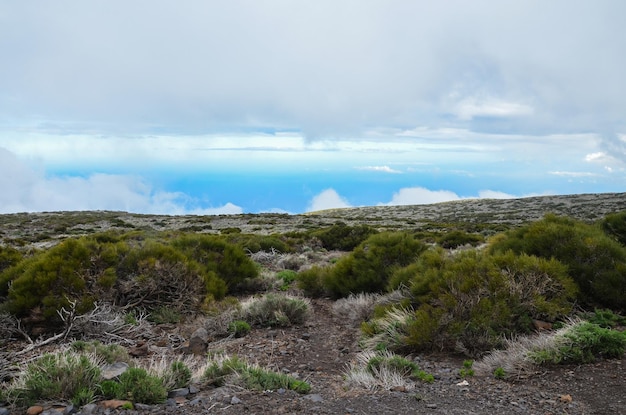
(24, 188)
(383, 169)
(241, 65)
(421, 196)
(572, 173)
(493, 194)
(327, 199)
(470, 108)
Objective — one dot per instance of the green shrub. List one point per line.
(342, 237)
(275, 310)
(287, 277)
(311, 281)
(250, 377)
(499, 373)
(110, 389)
(50, 280)
(164, 315)
(369, 267)
(140, 387)
(467, 370)
(470, 300)
(595, 262)
(226, 261)
(8, 257)
(60, 376)
(605, 318)
(614, 225)
(238, 328)
(454, 239)
(582, 342)
(109, 353)
(178, 375)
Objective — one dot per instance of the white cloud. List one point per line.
(494, 194)
(572, 173)
(26, 189)
(470, 108)
(421, 196)
(382, 169)
(327, 199)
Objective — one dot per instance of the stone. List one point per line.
(199, 341)
(114, 403)
(566, 398)
(114, 370)
(193, 389)
(34, 410)
(314, 397)
(180, 392)
(431, 405)
(140, 350)
(89, 409)
(70, 409)
(5, 411)
(235, 400)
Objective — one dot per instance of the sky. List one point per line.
(226, 107)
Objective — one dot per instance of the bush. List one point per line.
(342, 237)
(369, 267)
(138, 386)
(275, 310)
(51, 280)
(468, 301)
(60, 376)
(250, 377)
(614, 225)
(595, 262)
(311, 281)
(178, 375)
(109, 353)
(385, 370)
(454, 239)
(582, 342)
(238, 328)
(287, 277)
(226, 261)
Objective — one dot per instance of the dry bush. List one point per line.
(360, 307)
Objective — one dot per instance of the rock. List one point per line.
(399, 388)
(431, 405)
(542, 325)
(176, 393)
(70, 409)
(235, 400)
(566, 398)
(34, 410)
(114, 403)
(140, 350)
(5, 411)
(114, 370)
(193, 389)
(199, 341)
(314, 398)
(88, 409)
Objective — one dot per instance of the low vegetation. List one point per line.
(466, 289)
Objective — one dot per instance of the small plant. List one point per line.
(605, 318)
(127, 406)
(110, 389)
(109, 353)
(467, 370)
(140, 387)
(385, 370)
(251, 377)
(164, 315)
(273, 310)
(581, 342)
(65, 376)
(499, 373)
(238, 328)
(178, 375)
(287, 277)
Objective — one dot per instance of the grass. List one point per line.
(275, 310)
(576, 342)
(384, 370)
(224, 369)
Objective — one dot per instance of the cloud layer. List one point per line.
(24, 188)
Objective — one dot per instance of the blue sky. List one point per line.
(209, 107)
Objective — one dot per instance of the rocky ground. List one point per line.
(320, 350)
